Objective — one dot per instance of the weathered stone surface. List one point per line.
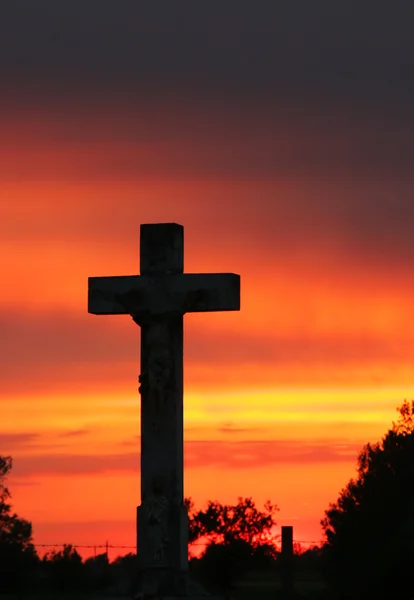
(157, 301)
(157, 295)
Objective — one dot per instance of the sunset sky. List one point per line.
(281, 135)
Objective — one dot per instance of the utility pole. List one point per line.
(286, 573)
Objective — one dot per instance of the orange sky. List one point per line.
(280, 397)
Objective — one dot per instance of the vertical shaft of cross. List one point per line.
(161, 389)
(162, 519)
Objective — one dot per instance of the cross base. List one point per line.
(165, 575)
(160, 584)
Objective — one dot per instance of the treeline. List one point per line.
(219, 569)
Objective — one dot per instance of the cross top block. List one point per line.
(162, 248)
(162, 286)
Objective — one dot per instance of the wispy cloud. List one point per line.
(74, 464)
(238, 455)
(230, 428)
(10, 441)
(74, 433)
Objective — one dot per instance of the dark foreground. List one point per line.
(253, 590)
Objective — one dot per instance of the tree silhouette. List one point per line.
(223, 523)
(369, 530)
(17, 553)
(96, 571)
(65, 568)
(239, 538)
(5, 467)
(125, 573)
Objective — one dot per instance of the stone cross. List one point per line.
(157, 301)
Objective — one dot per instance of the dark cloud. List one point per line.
(298, 92)
(343, 48)
(259, 148)
(346, 188)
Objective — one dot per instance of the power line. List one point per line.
(134, 547)
(81, 546)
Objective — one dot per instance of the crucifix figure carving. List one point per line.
(157, 300)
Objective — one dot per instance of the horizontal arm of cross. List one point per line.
(162, 294)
